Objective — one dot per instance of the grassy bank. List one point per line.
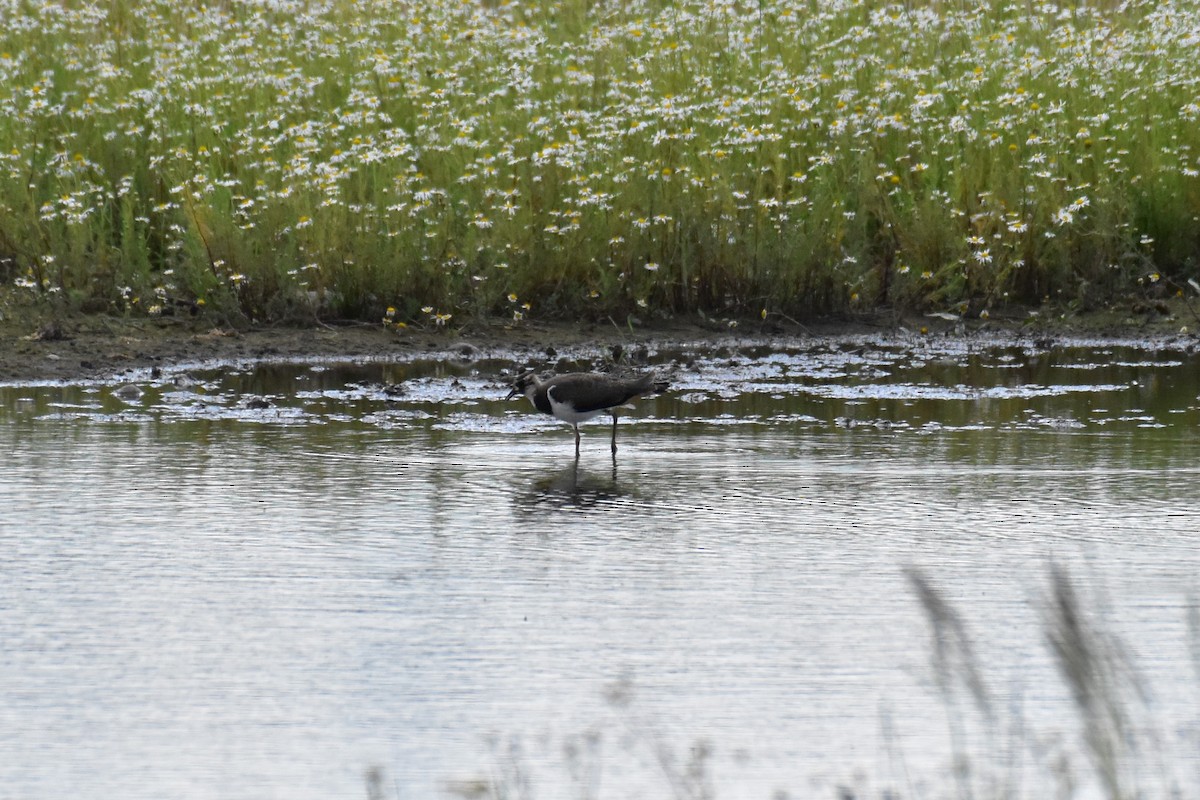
(449, 159)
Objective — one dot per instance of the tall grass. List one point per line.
(1122, 741)
(1123, 750)
(596, 157)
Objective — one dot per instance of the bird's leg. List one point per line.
(614, 436)
(576, 427)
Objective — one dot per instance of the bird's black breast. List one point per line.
(542, 402)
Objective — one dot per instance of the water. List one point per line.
(385, 570)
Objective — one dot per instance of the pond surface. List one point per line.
(348, 580)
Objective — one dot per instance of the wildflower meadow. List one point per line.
(433, 161)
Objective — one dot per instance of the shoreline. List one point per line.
(39, 348)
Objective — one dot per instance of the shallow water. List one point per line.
(248, 581)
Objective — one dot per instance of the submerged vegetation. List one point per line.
(438, 160)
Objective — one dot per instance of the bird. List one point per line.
(578, 396)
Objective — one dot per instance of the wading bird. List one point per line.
(579, 396)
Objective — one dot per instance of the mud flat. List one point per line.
(38, 347)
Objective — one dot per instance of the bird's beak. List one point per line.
(513, 393)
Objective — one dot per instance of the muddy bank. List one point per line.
(35, 346)
(99, 347)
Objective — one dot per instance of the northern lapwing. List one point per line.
(578, 396)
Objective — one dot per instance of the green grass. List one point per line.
(474, 158)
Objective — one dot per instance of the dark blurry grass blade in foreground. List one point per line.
(953, 653)
(1100, 677)
(954, 665)
(1095, 669)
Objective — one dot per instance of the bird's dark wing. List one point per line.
(588, 391)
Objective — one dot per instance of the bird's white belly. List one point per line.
(568, 414)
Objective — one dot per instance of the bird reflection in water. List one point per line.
(573, 487)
